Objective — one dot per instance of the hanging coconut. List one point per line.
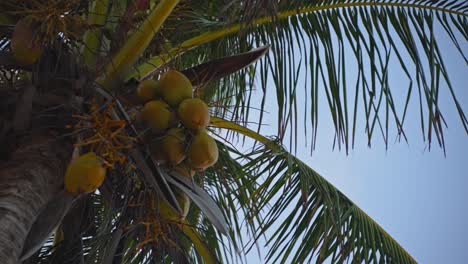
(84, 174)
(146, 90)
(173, 146)
(174, 87)
(158, 114)
(170, 214)
(194, 113)
(24, 47)
(203, 151)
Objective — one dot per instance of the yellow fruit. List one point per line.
(168, 213)
(146, 90)
(174, 87)
(84, 174)
(23, 45)
(194, 113)
(203, 151)
(172, 146)
(184, 170)
(158, 114)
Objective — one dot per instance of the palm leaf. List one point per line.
(319, 39)
(328, 224)
(232, 188)
(198, 243)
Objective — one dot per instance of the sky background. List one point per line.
(418, 196)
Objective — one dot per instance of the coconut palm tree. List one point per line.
(69, 78)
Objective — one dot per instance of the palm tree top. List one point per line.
(328, 59)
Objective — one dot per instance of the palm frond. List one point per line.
(327, 224)
(322, 39)
(232, 189)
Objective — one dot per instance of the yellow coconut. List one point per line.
(146, 90)
(24, 46)
(194, 113)
(170, 214)
(203, 151)
(174, 87)
(158, 115)
(172, 145)
(84, 174)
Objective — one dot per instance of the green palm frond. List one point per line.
(232, 188)
(318, 222)
(322, 39)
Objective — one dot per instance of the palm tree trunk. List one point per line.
(28, 181)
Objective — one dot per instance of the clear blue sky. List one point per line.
(418, 197)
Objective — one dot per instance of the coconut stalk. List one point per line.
(146, 68)
(92, 38)
(122, 62)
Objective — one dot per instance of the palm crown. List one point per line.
(106, 47)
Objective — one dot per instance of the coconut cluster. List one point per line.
(179, 140)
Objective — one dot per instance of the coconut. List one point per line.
(84, 174)
(146, 90)
(174, 87)
(203, 151)
(158, 114)
(172, 146)
(168, 213)
(194, 113)
(25, 48)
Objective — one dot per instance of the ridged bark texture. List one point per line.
(28, 180)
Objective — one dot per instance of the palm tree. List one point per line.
(80, 95)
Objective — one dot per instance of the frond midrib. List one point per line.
(304, 10)
(154, 62)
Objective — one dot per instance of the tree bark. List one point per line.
(28, 181)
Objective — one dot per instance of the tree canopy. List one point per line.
(94, 54)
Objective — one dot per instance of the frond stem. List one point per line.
(145, 69)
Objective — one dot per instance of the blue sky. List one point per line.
(418, 196)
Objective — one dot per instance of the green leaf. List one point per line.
(319, 219)
(198, 243)
(327, 36)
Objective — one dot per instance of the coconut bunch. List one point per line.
(178, 140)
